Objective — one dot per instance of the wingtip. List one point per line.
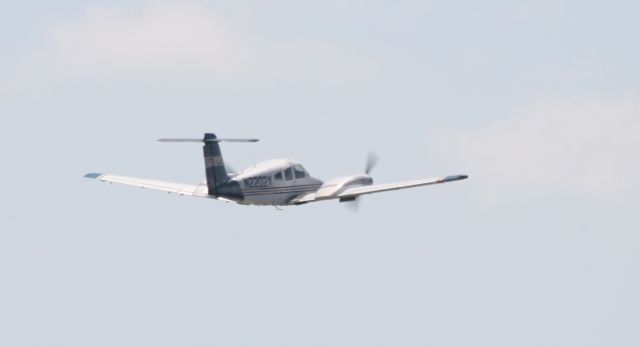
(93, 175)
(455, 178)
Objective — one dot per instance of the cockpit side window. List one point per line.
(278, 176)
(288, 173)
(299, 171)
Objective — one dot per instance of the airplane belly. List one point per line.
(264, 190)
(268, 199)
(274, 195)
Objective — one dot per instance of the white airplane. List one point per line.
(276, 182)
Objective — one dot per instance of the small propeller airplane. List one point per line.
(277, 182)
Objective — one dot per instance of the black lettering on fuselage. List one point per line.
(257, 182)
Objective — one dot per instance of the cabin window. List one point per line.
(299, 171)
(288, 173)
(278, 176)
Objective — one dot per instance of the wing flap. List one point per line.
(170, 187)
(357, 191)
(304, 198)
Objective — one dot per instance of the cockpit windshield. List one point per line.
(288, 173)
(299, 171)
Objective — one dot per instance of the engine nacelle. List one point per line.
(335, 187)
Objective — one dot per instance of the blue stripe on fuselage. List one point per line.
(280, 190)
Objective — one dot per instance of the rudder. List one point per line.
(216, 172)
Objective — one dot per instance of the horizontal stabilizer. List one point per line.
(208, 140)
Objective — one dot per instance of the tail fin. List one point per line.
(214, 164)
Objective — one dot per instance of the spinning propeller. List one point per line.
(372, 160)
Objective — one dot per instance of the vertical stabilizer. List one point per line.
(214, 164)
(215, 170)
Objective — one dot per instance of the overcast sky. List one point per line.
(538, 101)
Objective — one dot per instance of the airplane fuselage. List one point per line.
(277, 182)
(274, 182)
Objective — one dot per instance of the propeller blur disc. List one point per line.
(372, 160)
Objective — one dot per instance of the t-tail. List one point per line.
(217, 177)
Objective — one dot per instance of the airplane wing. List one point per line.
(361, 190)
(354, 192)
(170, 187)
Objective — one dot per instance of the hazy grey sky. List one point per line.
(538, 101)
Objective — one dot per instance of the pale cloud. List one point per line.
(175, 39)
(589, 146)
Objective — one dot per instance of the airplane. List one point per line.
(278, 182)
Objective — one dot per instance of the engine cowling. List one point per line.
(336, 186)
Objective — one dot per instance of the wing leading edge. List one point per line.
(357, 191)
(169, 187)
(362, 190)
